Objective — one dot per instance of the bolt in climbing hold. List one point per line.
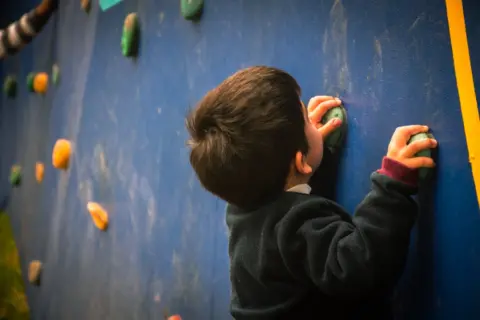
(191, 9)
(99, 215)
(34, 272)
(86, 5)
(130, 35)
(39, 171)
(55, 74)
(423, 172)
(40, 83)
(335, 139)
(10, 86)
(16, 176)
(61, 154)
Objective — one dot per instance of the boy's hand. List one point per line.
(400, 151)
(317, 107)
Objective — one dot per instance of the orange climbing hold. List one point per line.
(39, 171)
(99, 215)
(61, 154)
(175, 317)
(40, 83)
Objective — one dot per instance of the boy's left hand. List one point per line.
(317, 107)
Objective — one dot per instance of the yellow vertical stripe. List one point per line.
(465, 85)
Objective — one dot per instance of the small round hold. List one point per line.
(40, 83)
(34, 272)
(130, 35)
(61, 154)
(30, 78)
(422, 172)
(99, 215)
(175, 317)
(191, 9)
(39, 171)
(335, 139)
(55, 74)
(86, 5)
(16, 176)
(10, 86)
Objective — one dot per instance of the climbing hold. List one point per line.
(86, 5)
(175, 317)
(30, 78)
(39, 171)
(34, 272)
(40, 83)
(55, 74)
(10, 86)
(423, 172)
(191, 9)
(335, 139)
(16, 176)
(61, 154)
(99, 215)
(130, 35)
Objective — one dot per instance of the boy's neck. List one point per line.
(296, 180)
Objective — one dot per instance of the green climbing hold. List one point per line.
(16, 176)
(130, 35)
(10, 86)
(191, 9)
(55, 74)
(423, 172)
(335, 139)
(30, 79)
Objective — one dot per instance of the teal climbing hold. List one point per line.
(107, 4)
(423, 172)
(130, 35)
(16, 176)
(10, 86)
(335, 139)
(191, 9)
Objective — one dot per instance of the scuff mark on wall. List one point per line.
(186, 279)
(376, 77)
(336, 74)
(75, 102)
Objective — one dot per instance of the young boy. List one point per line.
(21, 32)
(295, 255)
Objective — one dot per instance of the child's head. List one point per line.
(251, 137)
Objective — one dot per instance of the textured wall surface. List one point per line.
(166, 248)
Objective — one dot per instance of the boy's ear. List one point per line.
(301, 164)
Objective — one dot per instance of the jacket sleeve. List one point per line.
(351, 258)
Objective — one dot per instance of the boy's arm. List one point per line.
(365, 255)
(21, 32)
(353, 258)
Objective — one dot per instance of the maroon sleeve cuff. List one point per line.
(399, 172)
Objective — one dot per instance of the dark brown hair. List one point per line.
(245, 134)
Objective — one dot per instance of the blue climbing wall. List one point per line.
(166, 248)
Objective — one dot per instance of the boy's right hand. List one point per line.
(400, 151)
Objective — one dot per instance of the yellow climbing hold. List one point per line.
(61, 154)
(99, 215)
(39, 171)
